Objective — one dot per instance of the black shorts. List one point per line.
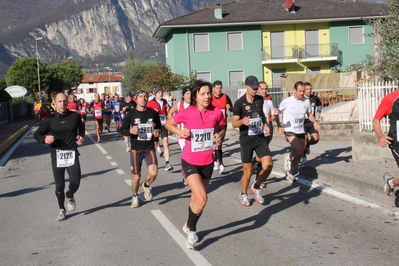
(205, 171)
(100, 120)
(164, 132)
(116, 118)
(254, 143)
(395, 152)
(108, 114)
(290, 134)
(137, 157)
(309, 127)
(224, 135)
(84, 116)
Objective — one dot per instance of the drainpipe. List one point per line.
(188, 53)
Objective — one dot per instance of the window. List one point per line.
(356, 35)
(311, 70)
(236, 78)
(201, 42)
(276, 77)
(205, 76)
(234, 41)
(277, 40)
(92, 90)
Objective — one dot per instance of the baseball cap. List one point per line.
(186, 89)
(130, 94)
(157, 88)
(252, 82)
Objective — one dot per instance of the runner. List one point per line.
(97, 108)
(223, 102)
(126, 106)
(43, 112)
(315, 106)
(203, 124)
(141, 125)
(248, 116)
(294, 109)
(82, 109)
(64, 131)
(117, 116)
(389, 107)
(163, 111)
(72, 103)
(170, 98)
(262, 91)
(108, 112)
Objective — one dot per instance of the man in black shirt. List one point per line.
(248, 116)
(64, 131)
(315, 105)
(127, 105)
(142, 125)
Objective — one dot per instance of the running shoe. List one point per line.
(184, 181)
(243, 199)
(127, 149)
(71, 204)
(304, 160)
(135, 202)
(168, 167)
(307, 150)
(263, 185)
(108, 130)
(258, 198)
(215, 165)
(388, 189)
(147, 192)
(186, 230)
(190, 240)
(290, 177)
(221, 169)
(287, 163)
(98, 140)
(61, 215)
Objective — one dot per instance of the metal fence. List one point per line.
(370, 96)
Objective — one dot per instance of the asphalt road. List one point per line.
(295, 225)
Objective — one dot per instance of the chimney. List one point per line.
(289, 5)
(217, 11)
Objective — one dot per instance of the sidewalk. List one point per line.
(329, 162)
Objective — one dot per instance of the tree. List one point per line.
(64, 77)
(385, 63)
(163, 76)
(23, 72)
(133, 72)
(4, 95)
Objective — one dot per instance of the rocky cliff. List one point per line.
(94, 30)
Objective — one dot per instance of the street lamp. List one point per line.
(109, 80)
(37, 60)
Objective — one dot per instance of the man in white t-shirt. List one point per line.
(294, 109)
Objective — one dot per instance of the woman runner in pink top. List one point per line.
(203, 124)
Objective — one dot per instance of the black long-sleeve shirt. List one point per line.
(64, 127)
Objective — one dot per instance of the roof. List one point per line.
(97, 78)
(262, 12)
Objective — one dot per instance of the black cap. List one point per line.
(130, 94)
(252, 82)
(186, 89)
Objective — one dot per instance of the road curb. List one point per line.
(12, 139)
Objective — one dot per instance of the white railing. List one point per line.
(369, 98)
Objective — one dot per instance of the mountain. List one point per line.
(90, 31)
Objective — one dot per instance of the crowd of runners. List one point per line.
(199, 120)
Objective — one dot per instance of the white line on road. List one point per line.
(120, 171)
(129, 182)
(195, 256)
(113, 163)
(108, 157)
(97, 145)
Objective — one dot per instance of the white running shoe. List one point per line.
(190, 240)
(127, 149)
(388, 189)
(215, 165)
(71, 204)
(168, 167)
(290, 177)
(135, 202)
(258, 198)
(147, 192)
(243, 199)
(186, 230)
(221, 169)
(61, 215)
(304, 160)
(287, 163)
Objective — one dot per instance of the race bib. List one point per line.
(117, 108)
(298, 124)
(65, 158)
(98, 114)
(255, 126)
(83, 111)
(163, 118)
(201, 139)
(145, 132)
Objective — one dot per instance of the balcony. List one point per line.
(303, 53)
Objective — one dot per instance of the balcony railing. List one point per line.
(310, 52)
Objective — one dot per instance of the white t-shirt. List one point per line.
(294, 114)
(268, 108)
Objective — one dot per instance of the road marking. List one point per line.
(95, 143)
(113, 163)
(120, 171)
(7, 155)
(195, 256)
(129, 182)
(108, 157)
